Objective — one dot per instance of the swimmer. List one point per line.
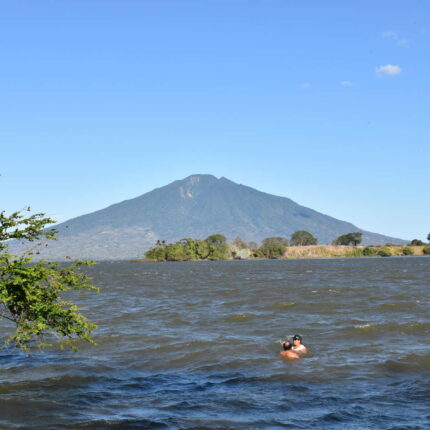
(287, 352)
(298, 347)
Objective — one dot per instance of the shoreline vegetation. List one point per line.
(215, 247)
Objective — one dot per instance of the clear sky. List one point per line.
(322, 101)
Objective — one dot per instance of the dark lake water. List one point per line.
(195, 345)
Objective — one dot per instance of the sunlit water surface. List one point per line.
(196, 345)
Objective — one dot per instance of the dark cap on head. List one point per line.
(297, 337)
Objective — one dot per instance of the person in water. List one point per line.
(287, 351)
(298, 347)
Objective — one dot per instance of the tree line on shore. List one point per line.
(215, 247)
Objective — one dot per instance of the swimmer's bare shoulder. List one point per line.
(290, 355)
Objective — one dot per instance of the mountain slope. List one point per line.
(196, 207)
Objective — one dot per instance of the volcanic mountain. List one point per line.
(197, 206)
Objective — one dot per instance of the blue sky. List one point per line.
(325, 102)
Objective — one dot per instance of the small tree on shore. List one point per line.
(302, 238)
(348, 239)
(30, 293)
(273, 247)
(218, 248)
(275, 240)
(217, 239)
(416, 242)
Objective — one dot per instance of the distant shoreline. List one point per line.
(335, 251)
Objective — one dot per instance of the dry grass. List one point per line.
(324, 251)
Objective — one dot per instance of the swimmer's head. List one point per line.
(287, 345)
(297, 337)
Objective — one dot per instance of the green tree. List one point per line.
(384, 252)
(302, 238)
(176, 252)
(416, 242)
(31, 293)
(217, 239)
(275, 240)
(190, 248)
(158, 253)
(202, 249)
(218, 248)
(428, 237)
(273, 247)
(369, 251)
(348, 239)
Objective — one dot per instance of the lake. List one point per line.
(196, 345)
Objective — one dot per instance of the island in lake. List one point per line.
(301, 245)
